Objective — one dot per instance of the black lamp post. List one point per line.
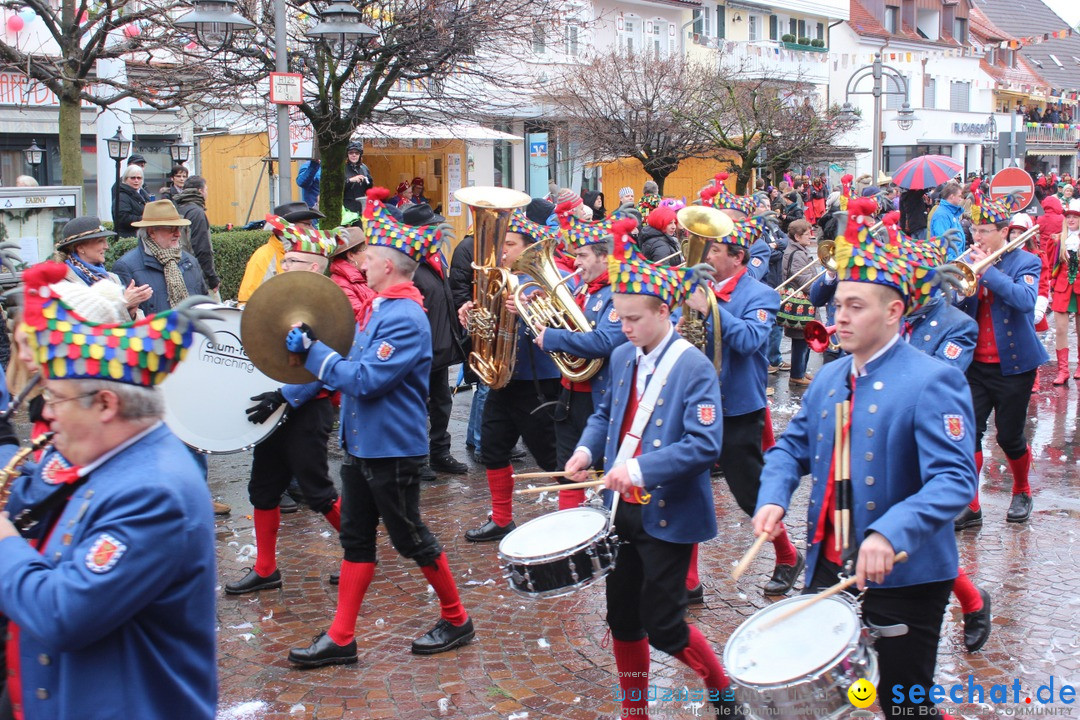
(119, 147)
(34, 157)
(180, 153)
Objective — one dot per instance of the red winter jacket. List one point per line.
(353, 282)
(1050, 224)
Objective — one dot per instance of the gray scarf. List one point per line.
(170, 261)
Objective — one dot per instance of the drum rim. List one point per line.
(533, 559)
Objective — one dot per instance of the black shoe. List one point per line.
(253, 582)
(1019, 508)
(427, 474)
(443, 637)
(448, 464)
(323, 651)
(288, 505)
(335, 578)
(977, 625)
(518, 453)
(489, 531)
(967, 518)
(784, 576)
(696, 596)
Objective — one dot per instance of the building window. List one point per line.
(538, 39)
(721, 21)
(959, 96)
(893, 156)
(629, 35)
(504, 156)
(793, 27)
(774, 23)
(700, 17)
(895, 99)
(892, 19)
(930, 94)
(802, 29)
(821, 31)
(572, 40)
(960, 30)
(755, 28)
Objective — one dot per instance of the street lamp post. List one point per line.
(905, 116)
(119, 147)
(34, 157)
(991, 141)
(179, 153)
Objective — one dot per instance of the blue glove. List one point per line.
(300, 339)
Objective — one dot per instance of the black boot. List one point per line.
(1019, 508)
(977, 625)
(323, 651)
(968, 518)
(443, 637)
(784, 576)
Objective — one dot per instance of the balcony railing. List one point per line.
(1061, 135)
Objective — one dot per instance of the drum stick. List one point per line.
(532, 475)
(749, 556)
(838, 452)
(845, 478)
(829, 592)
(556, 488)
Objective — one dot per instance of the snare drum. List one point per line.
(804, 665)
(559, 553)
(207, 396)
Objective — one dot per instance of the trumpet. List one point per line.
(703, 224)
(970, 272)
(818, 337)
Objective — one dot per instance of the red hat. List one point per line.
(661, 217)
(402, 187)
(418, 181)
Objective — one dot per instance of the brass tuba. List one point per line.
(492, 328)
(554, 308)
(704, 224)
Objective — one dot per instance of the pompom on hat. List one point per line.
(719, 197)
(419, 243)
(69, 345)
(632, 274)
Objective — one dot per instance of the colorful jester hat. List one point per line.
(862, 257)
(632, 274)
(985, 210)
(578, 233)
(745, 234)
(718, 196)
(534, 232)
(419, 243)
(648, 203)
(845, 193)
(75, 330)
(924, 257)
(297, 238)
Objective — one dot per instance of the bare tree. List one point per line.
(767, 122)
(620, 105)
(431, 61)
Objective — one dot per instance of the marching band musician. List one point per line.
(747, 312)
(663, 396)
(111, 601)
(520, 409)
(384, 389)
(1008, 353)
(266, 261)
(298, 447)
(591, 249)
(910, 465)
(740, 209)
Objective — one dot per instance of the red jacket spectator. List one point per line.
(1050, 223)
(352, 281)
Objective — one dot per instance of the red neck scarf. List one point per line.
(595, 286)
(401, 291)
(729, 285)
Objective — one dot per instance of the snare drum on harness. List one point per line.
(207, 396)
(559, 553)
(804, 665)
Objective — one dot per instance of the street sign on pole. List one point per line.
(1013, 181)
(1007, 152)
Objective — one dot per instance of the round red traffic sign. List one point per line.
(1013, 181)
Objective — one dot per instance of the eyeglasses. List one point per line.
(52, 399)
(293, 261)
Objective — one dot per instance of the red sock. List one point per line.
(974, 505)
(501, 485)
(1019, 469)
(632, 662)
(768, 438)
(785, 551)
(699, 656)
(570, 499)
(442, 580)
(692, 577)
(353, 585)
(266, 529)
(978, 463)
(966, 592)
(333, 515)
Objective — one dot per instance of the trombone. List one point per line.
(970, 272)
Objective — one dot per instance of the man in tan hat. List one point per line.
(157, 260)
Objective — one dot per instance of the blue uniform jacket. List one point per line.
(531, 363)
(945, 332)
(912, 458)
(117, 616)
(679, 446)
(760, 254)
(745, 323)
(297, 395)
(605, 336)
(383, 381)
(1014, 280)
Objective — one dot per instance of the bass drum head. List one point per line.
(553, 534)
(207, 396)
(793, 648)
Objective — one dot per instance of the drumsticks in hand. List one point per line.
(838, 452)
(556, 488)
(749, 556)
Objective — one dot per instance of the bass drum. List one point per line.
(207, 396)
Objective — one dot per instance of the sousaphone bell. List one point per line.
(280, 303)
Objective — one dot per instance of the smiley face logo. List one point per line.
(862, 693)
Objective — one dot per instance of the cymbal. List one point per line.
(281, 302)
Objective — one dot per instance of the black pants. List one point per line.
(514, 412)
(908, 659)
(297, 448)
(571, 414)
(440, 404)
(386, 489)
(741, 458)
(646, 592)
(1008, 397)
